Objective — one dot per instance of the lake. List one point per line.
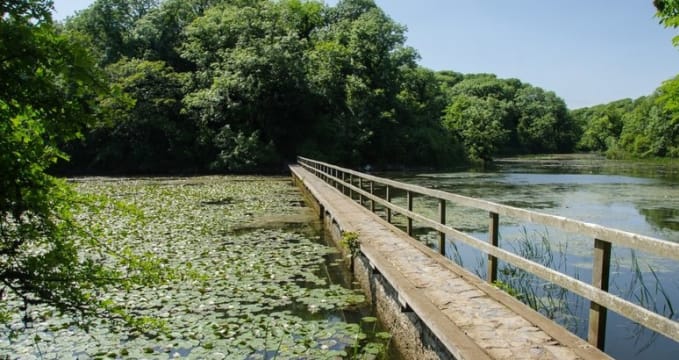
(633, 196)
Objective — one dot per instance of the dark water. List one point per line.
(637, 197)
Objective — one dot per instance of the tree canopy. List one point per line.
(492, 116)
(247, 85)
(639, 128)
(49, 90)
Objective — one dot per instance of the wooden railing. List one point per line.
(353, 183)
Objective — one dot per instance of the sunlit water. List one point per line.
(639, 198)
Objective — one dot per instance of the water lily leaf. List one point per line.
(383, 335)
(236, 291)
(368, 319)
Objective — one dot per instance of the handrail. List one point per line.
(597, 292)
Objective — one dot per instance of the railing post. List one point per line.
(372, 192)
(409, 224)
(600, 275)
(344, 183)
(351, 182)
(388, 197)
(493, 231)
(442, 220)
(360, 186)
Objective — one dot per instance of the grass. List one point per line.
(643, 286)
(550, 300)
(651, 294)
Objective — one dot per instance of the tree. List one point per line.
(160, 33)
(520, 118)
(356, 69)
(652, 127)
(250, 82)
(485, 132)
(647, 127)
(602, 125)
(447, 80)
(668, 13)
(478, 124)
(421, 137)
(109, 25)
(668, 130)
(149, 133)
(48, 88)
(262, 81)
(642, 133)
(543, 124)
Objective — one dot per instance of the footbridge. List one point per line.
(436, 309)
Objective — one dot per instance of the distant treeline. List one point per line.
(246, 85)
(641, 128)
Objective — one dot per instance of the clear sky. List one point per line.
(587, 51)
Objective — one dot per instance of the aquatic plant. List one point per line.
(351, 241)
(649, 293)
(369, 341)
(551, 300)
(247, 288)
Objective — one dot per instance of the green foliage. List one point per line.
(664, 125)
(508, 289)
(368, 342)
(421, 136)
(254, 84)
(492, 116)
(243, 152)
(668, 13)
(601, 125)
(247, 85)
(109, 26)
(478, 124)
(251, 86)
(351, 241)
(369, 90)
(544, 124)
(645, 133)
(644, 128)
(149, 133)
(48, 253)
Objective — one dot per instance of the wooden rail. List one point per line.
(603, 240)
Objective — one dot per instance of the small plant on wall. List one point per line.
(351, 242)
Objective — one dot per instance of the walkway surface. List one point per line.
(473, 319)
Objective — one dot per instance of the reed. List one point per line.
(550, 300)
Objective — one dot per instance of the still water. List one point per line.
(636, 197)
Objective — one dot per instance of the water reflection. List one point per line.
(647, 205)
(662, 218)
(636, 197)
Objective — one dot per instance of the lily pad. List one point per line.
(240, 290)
